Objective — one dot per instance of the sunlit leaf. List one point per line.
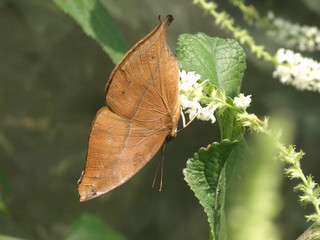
(90, 227)
(208, 173)
(222, 61)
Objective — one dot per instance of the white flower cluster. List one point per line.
(302, 38)
(200, 102)
(191, 92)
(298, 71)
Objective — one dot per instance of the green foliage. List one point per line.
(96, 21)
(208, 174)
(89, 227)
(3, 237)
(220, 61)
(230, 128)
(254, 202)
(4, 191)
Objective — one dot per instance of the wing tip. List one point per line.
(167, 20)
(88, 194)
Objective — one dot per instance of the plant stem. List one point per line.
(225, 21)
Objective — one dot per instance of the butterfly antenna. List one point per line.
(162, 167)
(160, 164)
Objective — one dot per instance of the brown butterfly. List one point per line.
(142, 113)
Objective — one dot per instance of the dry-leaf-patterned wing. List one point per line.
(144, 85)
(143, 109)
(117, 150)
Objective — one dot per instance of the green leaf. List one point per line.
(96, 21)
(4, 237)
(221, 61)
(89, 227)
(208, 174)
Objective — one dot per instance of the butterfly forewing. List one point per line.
(146, 81)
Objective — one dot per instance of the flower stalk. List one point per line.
(290, 68)
(226, 22)
(310, 190)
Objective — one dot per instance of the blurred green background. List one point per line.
(52, 80)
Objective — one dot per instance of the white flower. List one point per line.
(206, 114)
(191, 97)
(298, 71)
(242, 101)
(190, 106)
(303, 38)
(189, 80)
